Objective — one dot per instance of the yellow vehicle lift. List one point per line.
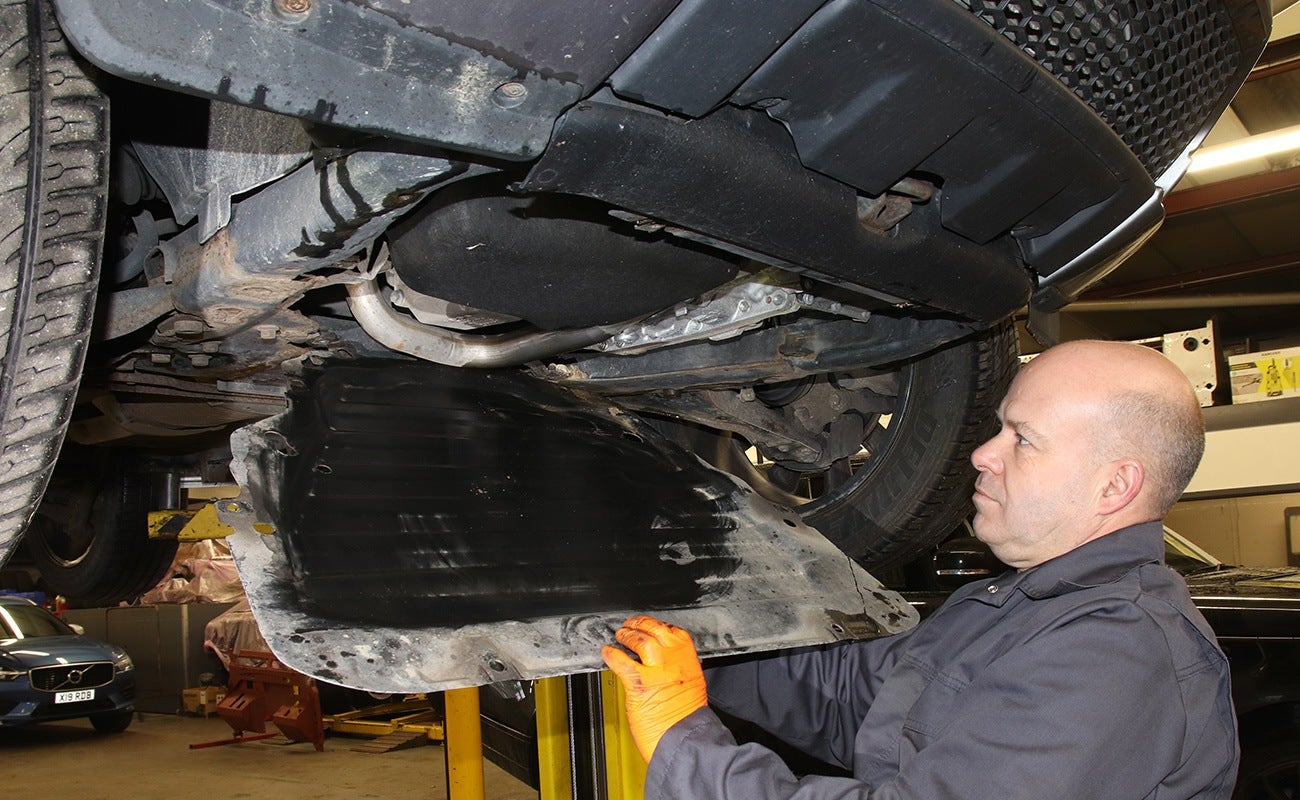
(584, 746)
(391, 726)
(192, 525)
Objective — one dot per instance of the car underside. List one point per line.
(786, 238)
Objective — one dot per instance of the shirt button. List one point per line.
(993, 588)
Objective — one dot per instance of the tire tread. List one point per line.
(56, 329)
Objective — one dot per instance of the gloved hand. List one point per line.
(665, 687)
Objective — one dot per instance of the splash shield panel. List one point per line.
(438, 527)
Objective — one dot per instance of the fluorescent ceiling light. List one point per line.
(1257, 146)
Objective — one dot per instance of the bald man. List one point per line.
(1083, 672)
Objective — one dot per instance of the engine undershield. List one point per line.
(439, 527)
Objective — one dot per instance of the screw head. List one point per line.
(512, 89)
(510, 94)
(293, 6)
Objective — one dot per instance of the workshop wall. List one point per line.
(1247, 530)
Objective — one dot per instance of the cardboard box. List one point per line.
(1265, 375)
(202, 701)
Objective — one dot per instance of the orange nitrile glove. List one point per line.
(665, 687)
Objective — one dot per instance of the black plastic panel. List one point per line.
(1047, 120)
(481, 505)
(733, 178)
(874, 91)
(439, 527)
(705, 49)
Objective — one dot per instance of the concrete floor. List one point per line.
(152, 759)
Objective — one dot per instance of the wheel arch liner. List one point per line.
(440, 527)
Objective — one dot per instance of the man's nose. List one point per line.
(985, 457)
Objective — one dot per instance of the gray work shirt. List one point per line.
(1089, 676)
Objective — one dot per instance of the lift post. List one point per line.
(585, 748)
(464, 744)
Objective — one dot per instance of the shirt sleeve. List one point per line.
(698, 758)
(1088, 710)
(813, 698)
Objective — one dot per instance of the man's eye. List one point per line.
(1021, 440)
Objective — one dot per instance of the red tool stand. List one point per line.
(262, 689)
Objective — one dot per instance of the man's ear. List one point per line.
(1125, 484)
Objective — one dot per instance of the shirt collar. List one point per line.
(1103, 560)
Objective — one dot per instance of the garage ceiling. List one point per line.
(1230, 247)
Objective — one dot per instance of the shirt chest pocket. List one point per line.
(930, 713)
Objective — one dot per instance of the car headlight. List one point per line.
(123, 663)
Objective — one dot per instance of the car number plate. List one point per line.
(79, 696)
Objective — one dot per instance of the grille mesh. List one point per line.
(1152, 69)
(61, 679)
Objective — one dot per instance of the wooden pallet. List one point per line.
(398, 740)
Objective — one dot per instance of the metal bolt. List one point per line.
(746, 394)
(293, 6)
(160, 358)
(200, 359)
(268, 333)
(510, 94)
(512, 89)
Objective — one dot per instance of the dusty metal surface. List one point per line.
(439, 527)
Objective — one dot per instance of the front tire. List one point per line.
(53, 177)
(917, 488)
(1270, 771)
(90, 539)
(910, 484)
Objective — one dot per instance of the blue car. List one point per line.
(50, 671)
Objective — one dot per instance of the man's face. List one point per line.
(1033, 497)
